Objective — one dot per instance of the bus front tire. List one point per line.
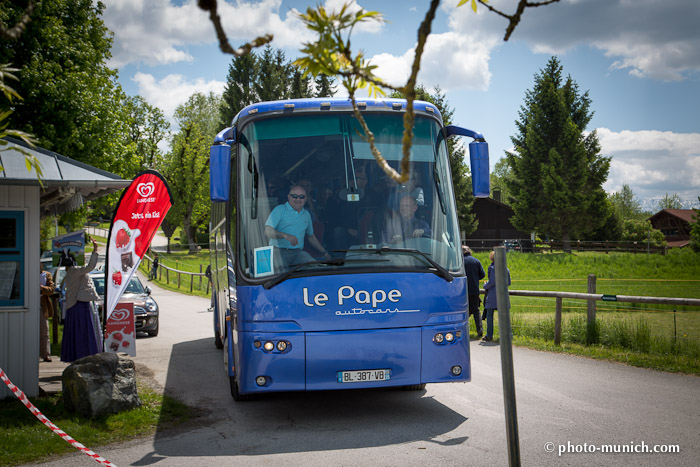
(217, 342)
(237, 396)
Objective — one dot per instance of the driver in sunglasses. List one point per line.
(287, 227)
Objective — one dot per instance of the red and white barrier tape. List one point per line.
(20, 395)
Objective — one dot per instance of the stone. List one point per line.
(100, 384)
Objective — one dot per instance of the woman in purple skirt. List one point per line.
(79, 339)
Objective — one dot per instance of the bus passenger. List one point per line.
(409, 188)
(287, 227)
(405, 225)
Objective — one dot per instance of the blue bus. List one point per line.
(326, 273)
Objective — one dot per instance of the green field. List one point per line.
(658, 336)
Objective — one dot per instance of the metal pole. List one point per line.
(591, 336)
(506, 343)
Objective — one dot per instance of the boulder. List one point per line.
(100, 384)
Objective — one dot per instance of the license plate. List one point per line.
(363, 376)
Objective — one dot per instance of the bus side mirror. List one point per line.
(479, 160)
(219, 172)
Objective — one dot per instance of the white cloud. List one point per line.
(450, 60)
(156, 32)
(370, 26)
(649, 38)
(653, 163)
(173, 90)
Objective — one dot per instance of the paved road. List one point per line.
(561, 399)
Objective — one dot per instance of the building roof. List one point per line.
(687, 215)
(67, 183)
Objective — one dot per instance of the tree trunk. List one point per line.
(187, 227)
(566, 242)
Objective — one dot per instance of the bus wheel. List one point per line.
(217, 341)
(237, 396)
(414, 387)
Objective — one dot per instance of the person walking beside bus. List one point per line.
(79, 339)
(288, 225)
(475, 272)
(47, 290)
(491, 301)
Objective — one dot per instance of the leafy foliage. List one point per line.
(558, 171)
(670, 202)
(187, 166)
(72, 101)
(7, 72)
(269, 76)
(695, 231)
(626, 204)
(642, 231)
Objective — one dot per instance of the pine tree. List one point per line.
(325, 86)
(240, 87)
(558, 171)
(300, 86)
(273, 75)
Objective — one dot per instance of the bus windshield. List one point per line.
(312, 198)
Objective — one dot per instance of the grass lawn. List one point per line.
(23, 438)
(639, 334)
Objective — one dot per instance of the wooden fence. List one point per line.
(177, 274)
(591, 297)
(526, 246)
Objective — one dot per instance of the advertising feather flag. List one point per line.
(139, 213)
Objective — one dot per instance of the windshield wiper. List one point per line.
(297, 267)
(439, 270)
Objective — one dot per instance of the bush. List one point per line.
(642, 231)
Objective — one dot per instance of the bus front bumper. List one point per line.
(298, 361)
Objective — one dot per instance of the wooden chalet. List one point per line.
(675, 224)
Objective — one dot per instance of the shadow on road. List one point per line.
(293, 422)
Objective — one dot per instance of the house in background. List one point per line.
(675, 224)
(494, 224)
(23, 201)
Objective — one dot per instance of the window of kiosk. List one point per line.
(11, 258)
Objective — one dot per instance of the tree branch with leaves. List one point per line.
(331, 55)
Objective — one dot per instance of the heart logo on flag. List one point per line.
(145, 189)
(120, 314)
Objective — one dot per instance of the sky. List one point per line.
(639, 60)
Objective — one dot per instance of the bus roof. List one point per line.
(334, 103)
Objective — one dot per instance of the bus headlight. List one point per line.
(269, 346)
(449, 337)
(439, 338)
(281, 346)
(456, 370)
(261, 380)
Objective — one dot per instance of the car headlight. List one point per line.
(151, 304)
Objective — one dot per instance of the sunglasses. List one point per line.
(297, 196)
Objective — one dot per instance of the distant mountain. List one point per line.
(652, 204)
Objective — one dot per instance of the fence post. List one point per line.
(191, 282)
(505, 336)
(591, 335)
(557, 323)
(200, 277)
(167, 276)
(178, 279)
